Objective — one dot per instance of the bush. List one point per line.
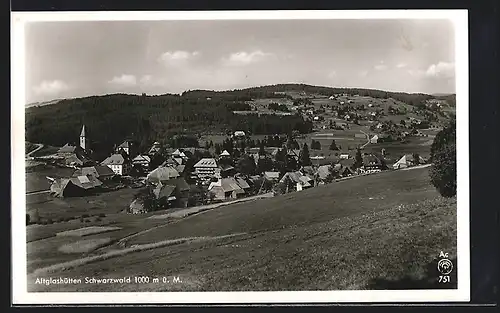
(98, 219)
(443, 171)
(82, 220)
(85, 215)
(49, 221)
(60, 220)
(86, 221)
(102, 215)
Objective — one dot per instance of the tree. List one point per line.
(443, 171)
(333, 145)
(304, 158)
(246, 165)
(416, 158)
(264, 164)
(262, 150)
(358, 161)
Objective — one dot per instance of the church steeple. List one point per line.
(83, 139)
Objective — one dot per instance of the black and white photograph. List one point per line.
(184, 156)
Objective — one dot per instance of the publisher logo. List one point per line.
(445, 266)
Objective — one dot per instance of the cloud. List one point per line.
(441, 70)
(124, 80)
(244, 58)
(146, 79)
(50, 88)
(401, 65)
(416, 73)
(177, 57)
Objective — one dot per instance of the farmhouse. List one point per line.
(142, 160)
(126, 146)
(374, 139)
(205, 168)
(162, 174)
(100, 172)
(226, 188)
(155, 149)
(372, 164)
(225, 154)
(75, 186)
(324, 174)
(408, 160)
(298, 180)
(119, 164)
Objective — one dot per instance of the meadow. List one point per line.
(373, 232)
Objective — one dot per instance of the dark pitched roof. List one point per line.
(163, 191)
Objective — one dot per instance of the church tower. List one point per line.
(83, 140)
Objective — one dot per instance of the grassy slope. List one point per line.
(380, 231)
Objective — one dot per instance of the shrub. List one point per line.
(60, 220)
(85, 215)
(82, 220)
(102, 215)
(98, 219)
(86, 221)
(49, 221)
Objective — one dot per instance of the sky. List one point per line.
(76, 59)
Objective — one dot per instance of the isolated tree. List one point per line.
(333, 145)
(443, 171)
(264, 164)
(304, 158)
(416, 158)
(358, 161)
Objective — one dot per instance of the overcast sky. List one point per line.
(73, 59)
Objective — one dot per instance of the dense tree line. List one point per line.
(110, 119)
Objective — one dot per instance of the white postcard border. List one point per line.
(19, 262)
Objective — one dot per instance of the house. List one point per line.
(298, 180)
(316, 118)
(272, 176)
(100, 172)
(379, 126)
(126, 146)
(324, 174)
(372, 164)
(225, 154)
(347, 117)
(370, 105)
(226, 188)
(342, 102)
(142, 160)
(75, 186)
(162, 174)
(243, 184)
(118, 163)
(344, 156)
(331, 98)
(155, 149)
(374, 139)
(239, 133)
(407, 160)
(346, 171)
(164, 194)
(205, 168)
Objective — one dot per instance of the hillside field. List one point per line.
(381, 231)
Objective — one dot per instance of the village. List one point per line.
(239, 166)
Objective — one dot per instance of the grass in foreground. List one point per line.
(346, 243)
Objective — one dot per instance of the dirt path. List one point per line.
(367, 139)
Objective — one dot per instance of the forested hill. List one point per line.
(111, 118)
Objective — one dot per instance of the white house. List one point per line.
(225, 154)
(342, 102)
(344, 156)
(239, 133)
(118, 164)
(205, 168)
(331, 98)
(374, 139)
